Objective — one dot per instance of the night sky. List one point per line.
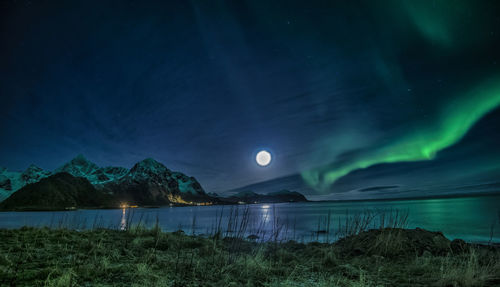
(357, 97)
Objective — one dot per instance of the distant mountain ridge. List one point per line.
(284, 195)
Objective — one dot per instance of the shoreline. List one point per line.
(35, 209)
(451, 196)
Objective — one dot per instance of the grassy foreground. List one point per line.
(150, 257)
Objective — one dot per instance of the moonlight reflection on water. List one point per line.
(123, 222)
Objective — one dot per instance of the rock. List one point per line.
(5, 183)
(440, 242)
(252, 237)
(394, 242)
(459, 246)
(79, 167)
(33, 174)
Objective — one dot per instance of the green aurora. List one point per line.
(423, 143)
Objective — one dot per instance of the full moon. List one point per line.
(263, 158)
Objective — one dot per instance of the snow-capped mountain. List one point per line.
(147, 182)
(82, 167)
(11, 181)
(107, 174)
(150, 182)
(33, 174)
(79, 166)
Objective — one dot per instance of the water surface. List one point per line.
(470, 218)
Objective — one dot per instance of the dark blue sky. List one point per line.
(203, 85)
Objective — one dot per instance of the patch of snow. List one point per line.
(79, 166)
(11, 181)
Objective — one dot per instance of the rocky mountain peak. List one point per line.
(149, 165)
(82, 160)
(32, 169)
(5, 182)
(79, 166)
(118, 170)
(33, 174)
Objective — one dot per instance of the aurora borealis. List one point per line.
(348, 96)
(447, 128)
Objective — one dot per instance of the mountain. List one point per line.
(147, 183)
(107, 174)
(82, 167)
(286, 196)
(33, 174)
(290, 182)
(11, 181)
(246, 194)
(272, 197)
(58, 191)
(79, 166)
(151, 183)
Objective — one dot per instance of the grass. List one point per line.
(150, 257)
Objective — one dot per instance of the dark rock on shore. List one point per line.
(459, 246)
(395, 242)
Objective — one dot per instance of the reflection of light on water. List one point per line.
(123, 223)
(265, 213)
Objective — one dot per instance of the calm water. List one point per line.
(469, 218)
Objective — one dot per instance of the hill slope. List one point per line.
(59, 191)
(11, 181)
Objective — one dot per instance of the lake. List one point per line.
(473, 219)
